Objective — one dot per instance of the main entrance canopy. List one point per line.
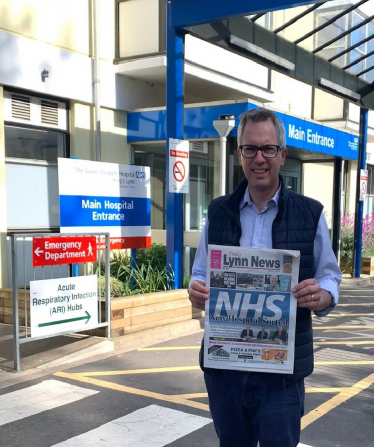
(333, 50)
(333, 55)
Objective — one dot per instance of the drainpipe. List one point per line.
(96, 81)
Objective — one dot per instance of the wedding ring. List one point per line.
(311, 297)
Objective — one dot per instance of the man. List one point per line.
(280, 335)
(247, 333)
(263, 213)
(262, 335)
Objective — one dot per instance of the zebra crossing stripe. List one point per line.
(153, 426)
(38, 398)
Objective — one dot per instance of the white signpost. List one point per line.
(63, 305)
(179, 166)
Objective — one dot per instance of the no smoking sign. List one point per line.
(179, 171)
(363, 184)
(179, 166)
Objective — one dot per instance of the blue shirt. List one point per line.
(256, 233)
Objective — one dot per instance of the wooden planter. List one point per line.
(367, 265)
(129, 314)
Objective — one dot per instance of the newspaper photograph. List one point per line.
(250, 316)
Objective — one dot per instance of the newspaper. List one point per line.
(250, 316)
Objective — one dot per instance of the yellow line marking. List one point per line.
(141, 371)
(126, 389)
(197, 368)
(193, 395)
(183, 399)
(335, 314)
(355, 304)
(360, 326)
(171, 348)
(343, 342)
(349, 362)
(335, 401)
(325, 390)
(370, 295)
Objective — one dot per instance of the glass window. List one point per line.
(331, 32)
(154, 157)
(32, 178)
(204, 176)
(371, 180)
(360, 33)
(37, 145)
(357, 68)
(204, 172)
(369, 203)
(369, 76)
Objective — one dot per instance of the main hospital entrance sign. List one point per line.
(106, 197)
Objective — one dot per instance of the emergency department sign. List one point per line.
(179, 166)
(106, 197)
(63, 305)
(63, 250)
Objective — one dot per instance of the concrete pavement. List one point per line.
(40, 356)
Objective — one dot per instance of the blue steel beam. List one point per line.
(174, 129)
(361, 164)
(186, 13)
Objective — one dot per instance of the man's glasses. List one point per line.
(268, 151)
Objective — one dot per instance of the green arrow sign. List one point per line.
(87, 317)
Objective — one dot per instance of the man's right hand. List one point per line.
(198, 294)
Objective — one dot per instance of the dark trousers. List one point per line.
(248, 408)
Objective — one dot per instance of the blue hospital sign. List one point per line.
(106, 197)
(316, 137)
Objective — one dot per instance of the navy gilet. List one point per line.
(294, 228)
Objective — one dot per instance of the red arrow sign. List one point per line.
(63, 250)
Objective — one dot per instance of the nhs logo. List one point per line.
(140, 174)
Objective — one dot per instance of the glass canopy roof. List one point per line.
(342, 32)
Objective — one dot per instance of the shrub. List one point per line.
(368, 235)
(186, 281)
(347, 236)
(116, 287)
(154, 256)
(117, 259)
(145, 278)
(150, 275)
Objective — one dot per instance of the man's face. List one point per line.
(261, 173)
(263, 328)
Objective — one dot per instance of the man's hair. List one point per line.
(259, 115)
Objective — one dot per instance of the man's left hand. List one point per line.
(310, 295)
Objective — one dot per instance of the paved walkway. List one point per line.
(55, 351)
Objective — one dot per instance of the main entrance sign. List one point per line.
(63, 250)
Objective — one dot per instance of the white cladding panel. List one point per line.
(32, 196)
